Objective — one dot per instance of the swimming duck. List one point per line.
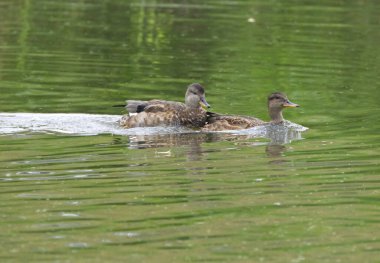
(277, 101)
(168, 113)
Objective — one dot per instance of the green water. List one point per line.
(192, 197)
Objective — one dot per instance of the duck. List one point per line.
(191, 114)
(277, 101)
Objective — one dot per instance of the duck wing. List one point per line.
(137, 106)
(155, 106)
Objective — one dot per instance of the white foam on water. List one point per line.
(75, 124)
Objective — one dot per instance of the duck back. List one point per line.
(221, 122)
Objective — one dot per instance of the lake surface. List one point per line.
(75, 187)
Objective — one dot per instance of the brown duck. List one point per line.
(277, 101)
(168, 113)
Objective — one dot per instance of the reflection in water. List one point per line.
(277, 134)
(275, 150)
(192, 140)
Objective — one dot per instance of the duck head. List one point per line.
(195, 96)
(277, 101)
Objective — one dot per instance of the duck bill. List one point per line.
(290, 104)
(204, 103)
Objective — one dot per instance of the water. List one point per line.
(75, 187)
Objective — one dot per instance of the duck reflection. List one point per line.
(191, 142)
(275, 153)
(275, 150)
(280, 136)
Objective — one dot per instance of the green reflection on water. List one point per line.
(192, 197)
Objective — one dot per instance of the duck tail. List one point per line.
(136, 106)
(212, 116)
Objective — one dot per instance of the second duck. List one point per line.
(277, 101)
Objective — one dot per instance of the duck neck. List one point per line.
(192, 101)
(276, 115)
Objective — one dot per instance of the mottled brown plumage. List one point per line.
(168, 113)
(219, 122)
